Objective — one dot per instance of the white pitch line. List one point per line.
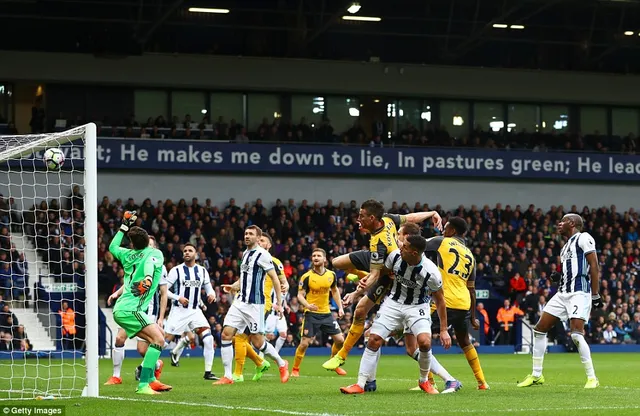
(222, 406)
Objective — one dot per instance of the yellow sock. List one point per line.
(474, 362)
(430, 377)
(253, 355)
(355, 332)
(358, 273)
(334, 349)
(299, 356)
(240, 350)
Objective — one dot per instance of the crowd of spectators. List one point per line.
(516, 250)
(14, 280)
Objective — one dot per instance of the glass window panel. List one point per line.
(342, 112)
(592, 120)
(523, 117)
(263, 106)
(489, 116)
(555, 118)
(309, 107)
(150, 103)
(454, 117)
(6, 106)
(188, 103)
(410, 114)
(625, 121)
(228, 105)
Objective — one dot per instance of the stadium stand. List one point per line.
(516, 250)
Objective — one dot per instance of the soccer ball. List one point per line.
(54, 159)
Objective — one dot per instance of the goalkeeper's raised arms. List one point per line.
(129, 219)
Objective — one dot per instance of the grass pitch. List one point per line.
(316, 392)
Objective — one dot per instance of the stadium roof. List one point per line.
(601, 35)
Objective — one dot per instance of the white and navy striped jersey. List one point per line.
(575, 268)
(253, 269)
(189, 281)
(154, 305)
(412, 284)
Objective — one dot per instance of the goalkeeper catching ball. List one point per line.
(143, 271)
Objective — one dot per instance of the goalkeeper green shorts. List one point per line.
(131, 321)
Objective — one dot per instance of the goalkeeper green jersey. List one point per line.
(137, 264)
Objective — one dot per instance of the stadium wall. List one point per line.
(247, 188)
(267, 74)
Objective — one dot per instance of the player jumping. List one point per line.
(406, 305)
(143, 271)
(157, 307)
(313, 294)
(573, 301)
(383, 229)
(247, 311)
(185, 312)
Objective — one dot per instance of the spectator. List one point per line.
(506, 318)
(485, 317)
(6, 344)
(609, 336)
(68, 330)
(517, 288)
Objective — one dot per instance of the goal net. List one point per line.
(48, 265)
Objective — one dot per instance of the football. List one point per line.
(54, 158)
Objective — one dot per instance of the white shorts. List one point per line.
(565, 306)
(393, 315)
(181, 320)
(274, 323)
(243, 315)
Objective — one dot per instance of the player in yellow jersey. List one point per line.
(384, 232)
(458, 268)
(242, 347)
(313, 294)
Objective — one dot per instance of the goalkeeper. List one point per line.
(143, 271)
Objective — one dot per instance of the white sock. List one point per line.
(180, 346)
(539, 348)
(372, 376)
(424, 360)
(439, 370)
(227, 358)
(260, 353)
(585, 354)
(157, 364)
(270, 351)
(279, 343)
(209, 352)
(118, 357)
(368, 364)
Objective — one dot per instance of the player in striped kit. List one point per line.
(406, 305)
(247, 310)
(578, 290)
(185, 312)
(155, 313)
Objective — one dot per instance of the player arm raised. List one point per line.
(419, 217)
(129, 219)
(437, 293)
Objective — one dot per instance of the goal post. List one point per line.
(54, 242)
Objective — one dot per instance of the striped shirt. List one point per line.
(575, 268)
(189, 280)
(412, 284)
(154, 306)
(253, 269)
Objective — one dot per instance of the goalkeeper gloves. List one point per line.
(128, 220)
(596, 301)
(555, 277)
(142, 287)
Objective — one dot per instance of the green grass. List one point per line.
(316, 393)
